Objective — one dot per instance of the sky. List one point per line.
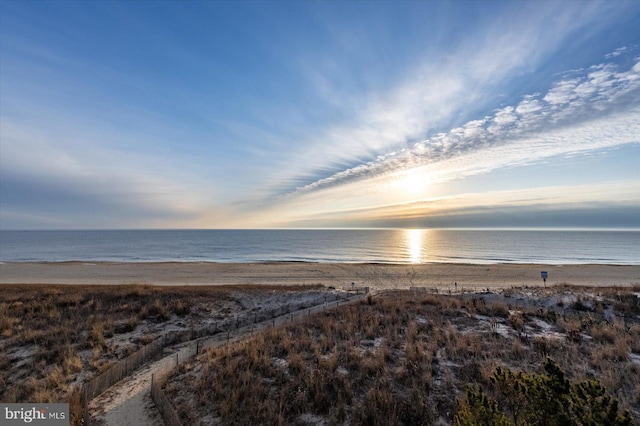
(285, 114)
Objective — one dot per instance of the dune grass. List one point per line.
(53, 336)
(405, 358)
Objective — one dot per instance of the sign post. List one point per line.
(544, 277)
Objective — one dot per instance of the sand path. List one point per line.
(128, 403)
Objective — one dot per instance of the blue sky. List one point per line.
(167, 114)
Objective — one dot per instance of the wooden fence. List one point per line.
(168, 413)
(424, 290)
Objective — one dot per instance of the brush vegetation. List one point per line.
(408, 358)
(520, 398)
(54, 336)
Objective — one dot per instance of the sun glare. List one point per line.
(412, 183)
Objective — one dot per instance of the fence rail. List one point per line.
(425, 290)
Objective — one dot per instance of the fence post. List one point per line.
(85, 406)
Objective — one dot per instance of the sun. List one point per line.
(412, 182)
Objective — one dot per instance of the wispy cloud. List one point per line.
(75, 176)
(620, 51)
(598, 108)
(435, 92)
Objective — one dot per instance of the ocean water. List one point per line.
(383, 246)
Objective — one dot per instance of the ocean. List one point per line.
(349, 246)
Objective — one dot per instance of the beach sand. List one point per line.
(439, 275)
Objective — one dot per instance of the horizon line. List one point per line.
(338, 228)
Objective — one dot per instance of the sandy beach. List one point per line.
(439, 275)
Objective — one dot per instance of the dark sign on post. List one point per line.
(544, 277)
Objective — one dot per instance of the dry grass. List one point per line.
(403, 358)
(54, 336)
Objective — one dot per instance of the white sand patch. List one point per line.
(609, 314)
(342, 371)
(543, 325)
(280, 363)
(450, 364)
(311, 419)
(502, 330)
(568, 299)
(547, 334)
(22, 352)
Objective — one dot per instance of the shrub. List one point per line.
(579, 305)
(181, 307)
(521, 398)
(516, 321)
(499, 310)
(158, 311)
(97, 336)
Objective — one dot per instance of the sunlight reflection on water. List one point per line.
(414, 243)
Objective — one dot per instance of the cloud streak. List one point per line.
(496, 208)
(435, 91)
(597, 108)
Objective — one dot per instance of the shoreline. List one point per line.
(375, 275)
